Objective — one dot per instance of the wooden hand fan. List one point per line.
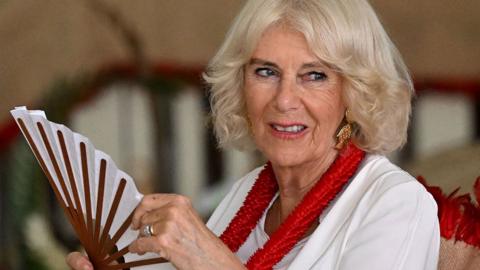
(97, 197)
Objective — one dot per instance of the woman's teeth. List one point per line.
(293, 129)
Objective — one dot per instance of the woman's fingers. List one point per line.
(164, 213)
(145, 244)
(77, 261)
(156, 201)
(148, 203)
(169, 218)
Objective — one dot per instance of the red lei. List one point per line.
(298, 222)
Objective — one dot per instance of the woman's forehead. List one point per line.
(283, 42)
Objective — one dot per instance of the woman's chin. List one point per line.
(287, 160)
(299, 156)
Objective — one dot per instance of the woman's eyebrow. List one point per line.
(258, 61)
(315, 64)
(262, 62)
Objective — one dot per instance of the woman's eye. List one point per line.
(265, 72)
(315, 76)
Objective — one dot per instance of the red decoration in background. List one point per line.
(8, 133)
(468, 87)
(468, 229)
(459, 215)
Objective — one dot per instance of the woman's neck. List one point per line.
(293, 183)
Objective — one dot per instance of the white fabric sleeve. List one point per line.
(399, 231)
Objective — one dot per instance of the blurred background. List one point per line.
(127, 74)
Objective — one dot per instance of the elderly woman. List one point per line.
(318, 87)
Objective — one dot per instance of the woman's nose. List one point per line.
(286, 98)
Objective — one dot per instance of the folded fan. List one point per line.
(97, 198)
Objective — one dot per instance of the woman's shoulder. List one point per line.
(393, 217)
(383, 183)
(381, 174)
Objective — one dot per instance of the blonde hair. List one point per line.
(345, 34)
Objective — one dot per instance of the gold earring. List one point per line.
(345, 133)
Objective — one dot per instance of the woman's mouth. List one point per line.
(288, 131)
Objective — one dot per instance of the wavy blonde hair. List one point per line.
(345, 34)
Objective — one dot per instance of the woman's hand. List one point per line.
(179, 234)
(77, 261)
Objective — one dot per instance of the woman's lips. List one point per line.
(288, 131)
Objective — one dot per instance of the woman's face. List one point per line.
(293, 100)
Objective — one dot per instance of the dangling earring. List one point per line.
(343, 136)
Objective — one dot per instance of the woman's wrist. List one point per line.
(219, 256)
